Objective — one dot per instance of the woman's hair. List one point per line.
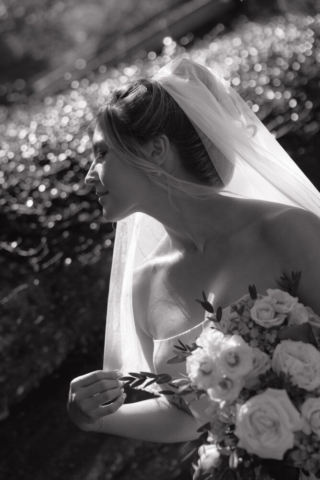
(138, 113)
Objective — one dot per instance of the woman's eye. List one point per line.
(100, 155)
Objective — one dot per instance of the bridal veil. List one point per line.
(252, 165)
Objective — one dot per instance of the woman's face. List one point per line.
(121, 189)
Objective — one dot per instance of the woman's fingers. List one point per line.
(107, 396)
(94, 377)
(94, 408)
(98, 387)
(113, 407)
(89, 394)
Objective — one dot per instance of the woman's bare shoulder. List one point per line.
(294, 236)
(291, 229)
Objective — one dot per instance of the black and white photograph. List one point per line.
(160, 240)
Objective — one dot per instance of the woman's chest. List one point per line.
(174, 289)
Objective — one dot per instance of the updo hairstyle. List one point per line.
(138, 113)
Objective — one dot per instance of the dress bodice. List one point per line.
(164, 349)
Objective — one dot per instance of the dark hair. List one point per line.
(137, 113)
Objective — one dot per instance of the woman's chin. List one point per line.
(114, 211)
(112, 217)
(107, 216)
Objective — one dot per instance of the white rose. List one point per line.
(264, 314)
(235, 357)
(265, 424)
(301, 361)
(210, 340)
(310, 412)
(298, 315)
(201, 369)
(261, 364)
(282, 301)
(209, 457)
(225, 389)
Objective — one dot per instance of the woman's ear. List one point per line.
(160, 149)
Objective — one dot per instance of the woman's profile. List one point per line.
(204, 199)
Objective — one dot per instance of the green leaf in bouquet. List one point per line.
(177, 359)
(290, 285)
(183, 347)
(138, 382)
(205, 304)
(219, 314)
(205, 427)
(253, 292)
(136, 375)
(125, 379)
(151, 382)
(185, 391)
(179, 382)
(185, 387)
(163, 378)
(179, 348)
(192, 347)
(172, 386)
(149, 374)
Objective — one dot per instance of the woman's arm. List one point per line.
(154, 420)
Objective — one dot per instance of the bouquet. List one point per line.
(258, 363)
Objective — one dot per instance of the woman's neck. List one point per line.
(194, 224)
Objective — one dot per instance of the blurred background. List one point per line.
(59, 60)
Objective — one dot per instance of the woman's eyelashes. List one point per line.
(100, 155)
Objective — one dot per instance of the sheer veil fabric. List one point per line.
(253, 165)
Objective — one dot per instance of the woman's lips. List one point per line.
(101, 194)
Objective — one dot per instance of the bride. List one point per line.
(204, 199)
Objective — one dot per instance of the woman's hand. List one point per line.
(88, 395)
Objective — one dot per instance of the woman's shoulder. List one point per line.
(297, 237)
(290, 227)
(273, 220)
(294, 234)
(290, 233)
